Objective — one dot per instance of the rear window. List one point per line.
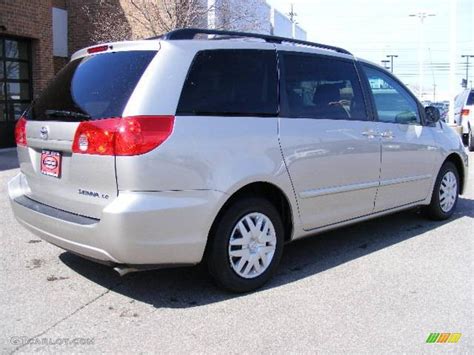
(92, 87)
(470, 99)
(231, 82)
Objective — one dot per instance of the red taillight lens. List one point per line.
(122, 136)
(465, 112)
(95, 137)
(141, 134)
(20, 132)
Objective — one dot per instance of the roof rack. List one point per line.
(190, 33)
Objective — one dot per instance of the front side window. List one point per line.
(231, 82)
(394, 104)
(322, 87)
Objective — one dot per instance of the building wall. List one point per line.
(299, 33)
(86, 17)
(32, 20)
(282, 25)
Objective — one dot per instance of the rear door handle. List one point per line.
(370, 133)
(387, 134)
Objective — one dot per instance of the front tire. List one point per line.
(246, 245)
(445, 193)
(470, 140)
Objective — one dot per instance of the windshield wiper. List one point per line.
(63, 113)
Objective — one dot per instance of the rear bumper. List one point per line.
(137, 228)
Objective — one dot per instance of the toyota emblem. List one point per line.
(44, 132)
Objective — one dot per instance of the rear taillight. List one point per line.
(465, 112)
(20, 132)
(122, 136)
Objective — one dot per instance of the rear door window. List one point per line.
(231, 82)
(321, 87)
(91, 88)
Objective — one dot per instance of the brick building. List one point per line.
(37, 38)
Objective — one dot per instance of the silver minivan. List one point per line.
(222, 148)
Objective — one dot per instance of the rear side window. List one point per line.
(470, 98)
(231, 82)
(322, 87)
(92, 87)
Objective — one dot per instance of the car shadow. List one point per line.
(191, 286)
(8, 159)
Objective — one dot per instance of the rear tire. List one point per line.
(246, 245)
(445, 193)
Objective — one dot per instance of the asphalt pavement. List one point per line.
(376, 287)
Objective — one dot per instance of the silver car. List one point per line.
(175, 150)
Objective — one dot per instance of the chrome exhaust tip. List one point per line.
(124, 270)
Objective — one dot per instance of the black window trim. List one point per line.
(421, 110)
(229, 114)
(284, 109)
(29, 61)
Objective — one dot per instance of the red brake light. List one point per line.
(465, 112)
(97, 49)
(20, 132)
(122, 136)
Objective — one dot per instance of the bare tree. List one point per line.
(106, 21)
(165, 15)
(145, 18)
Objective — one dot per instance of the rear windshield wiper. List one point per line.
(63, 113)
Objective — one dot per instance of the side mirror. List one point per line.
(432, 114)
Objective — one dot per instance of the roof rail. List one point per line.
(190, 33)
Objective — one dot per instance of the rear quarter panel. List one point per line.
(203, 152)
(210, 153)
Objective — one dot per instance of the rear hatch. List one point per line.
(91, 88)
(468, 111)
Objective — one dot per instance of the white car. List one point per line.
(464, 116)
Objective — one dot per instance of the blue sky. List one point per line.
(371, 29)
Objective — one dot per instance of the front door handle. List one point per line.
(387, 134)
(370, 133)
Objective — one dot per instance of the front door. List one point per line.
(330, 147)
(408, 149)
(15, 86)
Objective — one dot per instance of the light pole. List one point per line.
(391, 56)
(467, 56)
(385, 63)
(292, 15)
(421, 15)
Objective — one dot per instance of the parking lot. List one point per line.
(379, 286)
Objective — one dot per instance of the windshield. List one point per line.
(92, 87)
(470, 99)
